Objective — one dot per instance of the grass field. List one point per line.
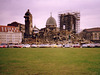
(50, 61)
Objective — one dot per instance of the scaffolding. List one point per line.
(70, 21)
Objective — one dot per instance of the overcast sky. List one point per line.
(14, 10)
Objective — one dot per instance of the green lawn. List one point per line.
(49, 61)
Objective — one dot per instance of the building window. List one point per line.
(2, 28)
(63, 26)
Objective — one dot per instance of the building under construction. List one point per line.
(70, 21)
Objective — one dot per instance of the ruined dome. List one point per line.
(51, 21)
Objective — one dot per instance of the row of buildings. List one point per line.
(67, 32)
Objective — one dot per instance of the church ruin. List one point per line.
(67, 32)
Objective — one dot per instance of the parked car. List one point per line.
(84, 46)
(41, 46)
(53, 45)
(11, 45)
(97, 45)
(76, 45)
(67, 45)
(59, 45)
(17, 46)
(88, 45)
(34, 46)
(26, 46)
(20, 45)
(92, 45)
(3, 45)
(47, 45)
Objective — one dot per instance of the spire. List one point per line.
(28, 10)
(51, 14)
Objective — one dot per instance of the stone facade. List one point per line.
(19, 26)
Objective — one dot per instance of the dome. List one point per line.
(51, 21)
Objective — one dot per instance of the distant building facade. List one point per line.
(28, 24)
(10, 34)
(92, 34)
(19, 26)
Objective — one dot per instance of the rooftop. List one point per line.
(93, 29)
(8, 29)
